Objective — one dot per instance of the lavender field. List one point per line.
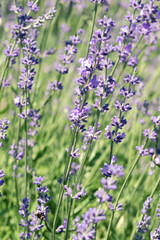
(80, 119)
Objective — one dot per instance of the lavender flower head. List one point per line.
(33, 222)
(4, 124)
(145, 222)
(1, 180)
(86, 228)
(110, 172)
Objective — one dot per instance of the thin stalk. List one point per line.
(69, 213)
(48, 226)
(57, 211)
(121, 190)
(48, 99)
(16, 185)
(82, 164)
(25, 156)
(56, 5)
(63, 182)
(111, 151)
(42, 48)
(86, 155)
(115, 66)
(93, 23)
(78, 179)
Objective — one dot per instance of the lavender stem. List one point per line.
(26, 141)
(121, 190)
(93, 23)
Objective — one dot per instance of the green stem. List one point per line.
(93, 23)
(16, 185)
(111, 151)
(121, 190)
(48, 226)
(57, 211)
(115, 66)
(25, 157)
(56, 5)
(69, 213)
(63, 182)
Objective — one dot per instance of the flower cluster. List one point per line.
(145, 222)
(30, 59)
(11, 52)
(118, 122)
(32, 223)
(86, 228)
(42, 199)
(34, 117)
(62, 67)
(142, 22)
(89, 82)
(3, 129)
(110, 172)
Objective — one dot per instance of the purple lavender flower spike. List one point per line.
(146, 205)
(86, 228)
(4, 124)
(145, 222)
(156, 234)
(1, 180)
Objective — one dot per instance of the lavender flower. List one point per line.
(143, 152)
(42, 199)
(17, 152)
(3, 129)
(145, 221)
(1, 180)
(156, 234)
(78, 195)
(86, 228)
(109, 182)
(32, 223)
